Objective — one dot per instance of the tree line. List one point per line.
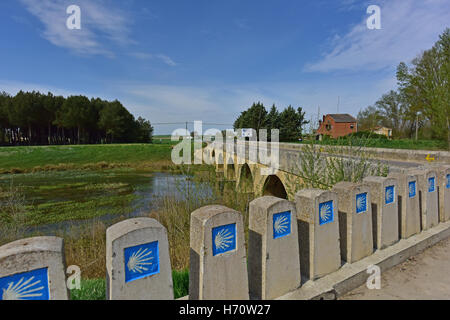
(420, 107)
(290, 121)
(33, 118)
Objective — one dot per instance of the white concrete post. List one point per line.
(408, 203)
(384, 199)
(444, 193)
(273, 254)
(218, 263)
(33, 269)
(137, 261)
(318, 229)
(428, 192)
(355, 220)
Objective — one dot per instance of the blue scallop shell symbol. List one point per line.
(141, 261)
(448, 181)
(281, 224)
(32, 285)
(412, 189)
(431, 184)
(224, 239)
(361, 202)
(389, 194)
(326, 213)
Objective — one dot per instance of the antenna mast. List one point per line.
(338, 104)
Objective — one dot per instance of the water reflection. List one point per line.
(76, 186)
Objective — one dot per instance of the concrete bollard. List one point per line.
(318, 230)
(428, 197)
(33, 269)
(138, 261)
(383, 193)
(444, 193)
(218, 263)
(408, 203)
(273, 254)
(355, 220)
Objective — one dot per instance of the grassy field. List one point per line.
(70, 193)
(56, 196)
(85, 245)
(94, 289)
(390, 144)
(46, 158)
(150, 157)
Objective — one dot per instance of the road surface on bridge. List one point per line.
(424, 276)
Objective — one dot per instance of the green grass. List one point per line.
(391, 144)
(91, 289)
(41, 158)
(95, 289)
(51, 197)
(53, 212)
(180, 283)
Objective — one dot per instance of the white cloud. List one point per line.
(180, 103)
(166, 59)
(408, 27)
(148, 56)
(12, 87)
(223, 103)
(98, 22)
(219, 104)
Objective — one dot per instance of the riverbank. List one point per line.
(150, 157)
(77, 192)
(406, 144)
(54, 197)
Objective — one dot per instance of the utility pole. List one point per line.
(339, 101)
(318, 114)
(417, 125)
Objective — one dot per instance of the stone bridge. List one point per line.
(249, 175)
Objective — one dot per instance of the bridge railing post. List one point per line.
(137, 261)
(273, 254)
(33, 269)
(444, 193)
(408, 203)
(218, 262)
(355, 220)
(384, 199)
(318, 229)
(428, 197)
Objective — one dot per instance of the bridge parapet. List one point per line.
(307, 243)
(355, 220)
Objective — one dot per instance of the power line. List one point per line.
(191, 122)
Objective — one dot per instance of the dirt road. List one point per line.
(425, 276)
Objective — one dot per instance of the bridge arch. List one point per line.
(245, 180)
(230, 171)
(273, 186)
(220, 162)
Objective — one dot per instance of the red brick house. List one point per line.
(337, 125)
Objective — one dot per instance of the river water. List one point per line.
(138, 193)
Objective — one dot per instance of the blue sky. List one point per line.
(176, 61)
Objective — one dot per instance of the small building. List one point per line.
(383, 131)
(337, 125)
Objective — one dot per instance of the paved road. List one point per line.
(425, 276)
(390, 162)
(393, 164)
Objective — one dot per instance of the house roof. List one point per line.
(344, 117)
(380, 127)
